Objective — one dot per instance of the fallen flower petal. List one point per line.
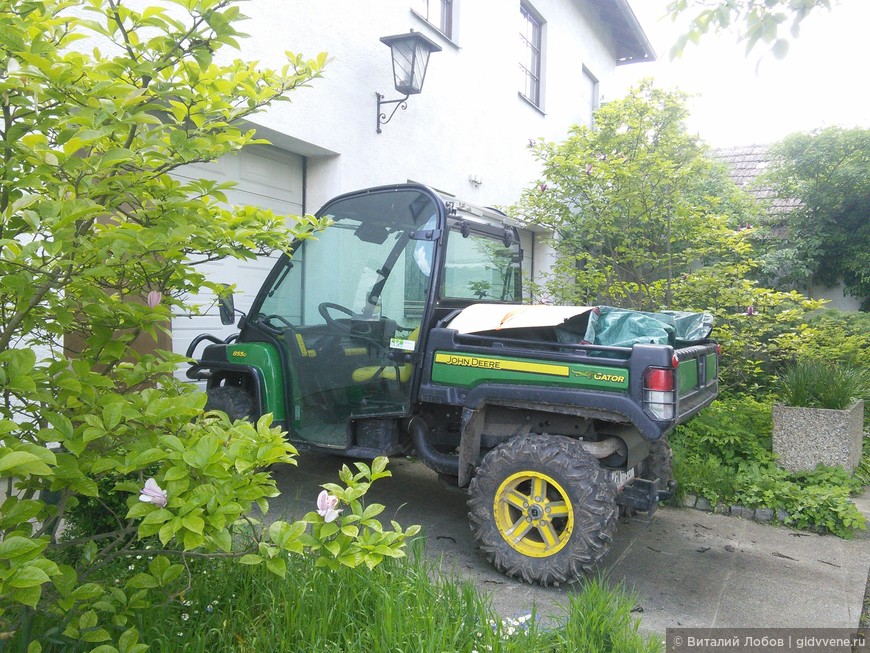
(152, 493)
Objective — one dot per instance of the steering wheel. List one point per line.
(324, 309)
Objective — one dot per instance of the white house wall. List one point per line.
(469, 119)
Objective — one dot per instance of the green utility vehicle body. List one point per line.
(402, 328)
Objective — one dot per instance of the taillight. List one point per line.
(659, 393)
(659, 379)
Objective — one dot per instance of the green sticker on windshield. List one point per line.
(401, 343)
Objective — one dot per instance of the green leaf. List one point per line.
(112, 415)
(23, 463)
(175, 473)
(223, 540)
(193, 523)
(277, 566)
(27, 595)
(29, 576)
(192, 540)
(16, 546)
(250, 559)
(142, 581)
(87, 592)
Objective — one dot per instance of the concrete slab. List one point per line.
(688, 568)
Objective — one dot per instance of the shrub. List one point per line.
(724, 455)
(839, 336)
(99, 245)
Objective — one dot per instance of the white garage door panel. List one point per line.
(265, 177)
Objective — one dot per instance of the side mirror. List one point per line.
(227, 308)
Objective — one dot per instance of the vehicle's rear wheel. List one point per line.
(235, 402)
(542, 509)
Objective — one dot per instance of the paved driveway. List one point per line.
(688, 568)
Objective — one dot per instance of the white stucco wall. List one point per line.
(469, 119)
(836, 297)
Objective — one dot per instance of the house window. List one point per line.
(531, 40)
(438, 13)
(590, 96)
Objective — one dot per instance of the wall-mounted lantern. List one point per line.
(410, 59)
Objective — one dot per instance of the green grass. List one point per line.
(822, 384)
(399, 606)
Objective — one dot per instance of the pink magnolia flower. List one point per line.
(154, 298)
(750, 310)
(326, 506)
(152, 493)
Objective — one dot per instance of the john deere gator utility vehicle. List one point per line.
(401, 329)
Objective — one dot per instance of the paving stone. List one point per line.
(743, 513)
(764, 514)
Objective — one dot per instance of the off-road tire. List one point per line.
(573, 482)
(235, 402)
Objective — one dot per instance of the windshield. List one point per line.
(375, 260)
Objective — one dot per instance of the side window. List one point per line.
(438, 13)
(531, 53)
(590, 95)
(480, 268)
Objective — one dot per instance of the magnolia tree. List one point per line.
(99, 243)
(643, 219)
(634, 203)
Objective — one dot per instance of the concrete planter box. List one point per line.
(805, 437)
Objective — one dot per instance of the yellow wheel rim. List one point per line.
(533, 514)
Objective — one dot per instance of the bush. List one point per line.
(839, 336)
(724, 455)
(760, 329)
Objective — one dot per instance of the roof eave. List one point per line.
(631, 43)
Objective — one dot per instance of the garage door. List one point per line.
(266, 177)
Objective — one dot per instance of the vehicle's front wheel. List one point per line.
(542, 509)
(235, 402)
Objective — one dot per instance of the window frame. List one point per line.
(532, 61)
(444, 12)
(591, 82)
